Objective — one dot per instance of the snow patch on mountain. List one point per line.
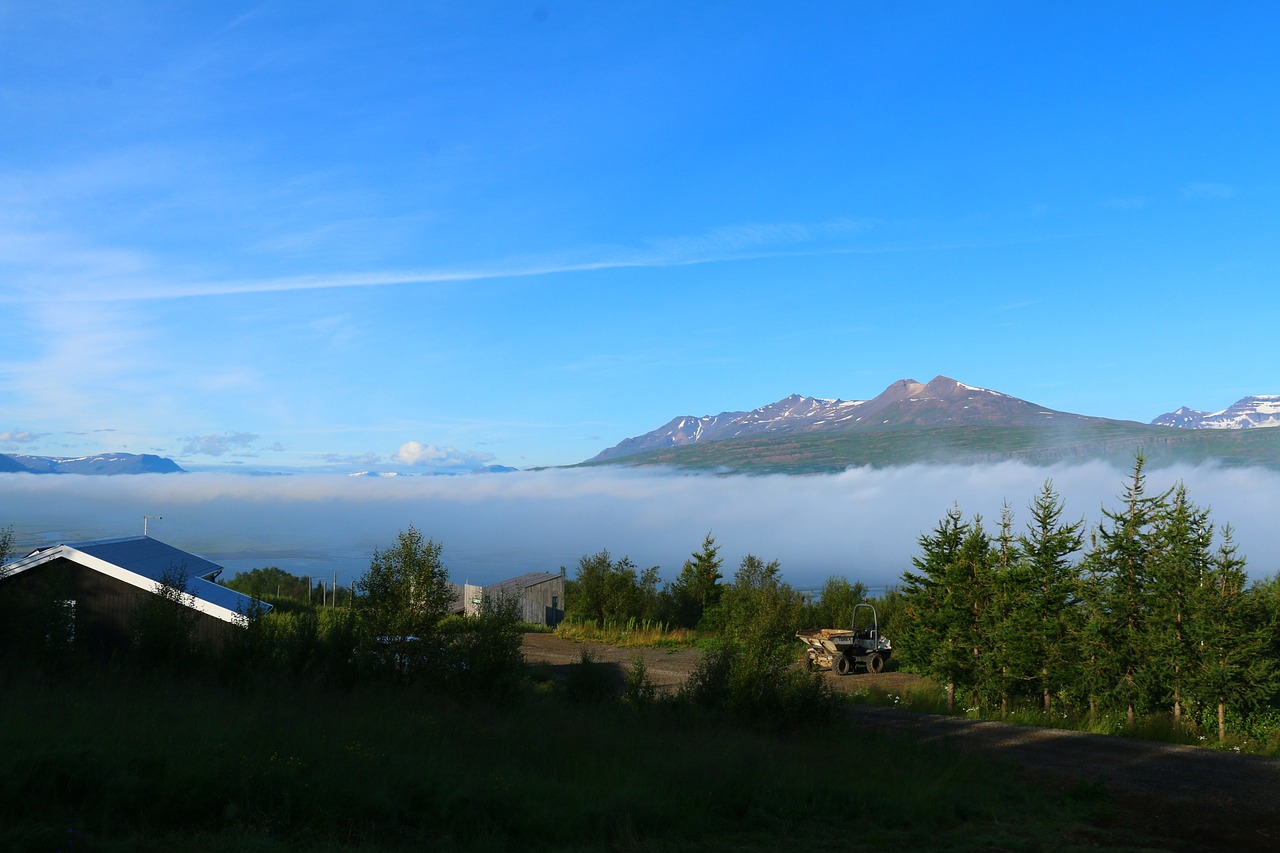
(904, 404)
(100, 464)
(1262, 410)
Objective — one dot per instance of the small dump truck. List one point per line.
(842, 649)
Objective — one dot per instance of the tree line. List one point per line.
(608, 590)
(1149, 612)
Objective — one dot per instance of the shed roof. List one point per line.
(521, 582)
(144, 562)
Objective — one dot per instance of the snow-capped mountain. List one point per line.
(790, 414)
(1258, 411)
(103, 463)
(904, 404)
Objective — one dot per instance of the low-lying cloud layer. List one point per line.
(862, 524)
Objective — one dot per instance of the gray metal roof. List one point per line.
(522, 582)
(144, 562)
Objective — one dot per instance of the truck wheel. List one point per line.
(842, 666)
(809, 663)
(875, 663)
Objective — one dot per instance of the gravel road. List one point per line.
(1196, 799)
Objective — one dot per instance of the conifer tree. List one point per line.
(1053, 618)
(1233, 634)
(1177, 582)
(944, 602)
(973, 594)
(1003, 630)
(1125, 548)
(696, 591)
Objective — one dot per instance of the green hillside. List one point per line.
(828, 452)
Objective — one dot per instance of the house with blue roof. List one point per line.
(101, 584)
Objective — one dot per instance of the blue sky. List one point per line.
(432, 236)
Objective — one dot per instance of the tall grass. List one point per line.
(630, 633)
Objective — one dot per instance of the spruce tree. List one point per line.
(1053, 619)
(1233, 634)
(1125, 548)
(944, 602)
(1178, 574)
(696, 591)
(1003, 631)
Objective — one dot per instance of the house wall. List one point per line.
(543, 603)
(104, 608)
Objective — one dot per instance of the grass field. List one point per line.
(127, 762)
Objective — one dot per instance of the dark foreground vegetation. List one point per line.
(135, 761)
(391, 726)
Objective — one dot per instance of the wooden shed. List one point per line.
(539, 595)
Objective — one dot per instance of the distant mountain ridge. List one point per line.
(101, 464)
(1262, 410)
(944, 422)
(906, 404)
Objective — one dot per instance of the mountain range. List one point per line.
(103, 463)
(943, 421)
(1247, 413)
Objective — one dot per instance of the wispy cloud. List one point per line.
(90, 275)
(19, 437)
(77, 359)
(218, 445)
(352, 460)
(1125, 202)
(1018, 306)
(1208, 190)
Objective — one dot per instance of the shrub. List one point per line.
(590, 680)
(727, 680)
(638, 689)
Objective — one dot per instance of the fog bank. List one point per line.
(862, 524)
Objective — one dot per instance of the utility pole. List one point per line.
(147, 518)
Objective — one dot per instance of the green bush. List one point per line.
(728, 680)
(591, 681)
(638, 688)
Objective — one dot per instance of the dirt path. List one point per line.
(1196, 799)
(668, 668)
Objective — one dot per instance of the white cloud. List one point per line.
(19, 437)
(415, 453)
